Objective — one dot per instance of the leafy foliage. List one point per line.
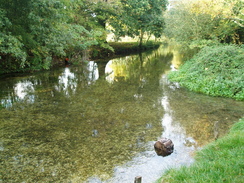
(9, 44)
(39, 30)
(35, 31)
(138, 17)
(215, 70)
(199, 23)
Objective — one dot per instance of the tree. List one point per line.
(138, 17)
(189, 29)
(13, 17)
(197, 23)
(229, 13)
(9, 44)
(36, 30)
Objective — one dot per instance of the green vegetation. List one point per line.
(121, 48)
(140, 17)
(198, 23)
(215, 70)
(213, 31)
(204, 28)
(220, 161)
(34, 32)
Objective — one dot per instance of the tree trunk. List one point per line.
(141, 39)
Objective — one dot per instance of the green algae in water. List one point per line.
(65, 135)
(69, 125)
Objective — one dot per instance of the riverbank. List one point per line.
(219, 161)
(215, 70)
(117, 49)
(112, 50)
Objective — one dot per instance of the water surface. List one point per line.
(98, 122)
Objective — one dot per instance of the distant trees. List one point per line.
(196, 23)
(215, 30)
(139, 17)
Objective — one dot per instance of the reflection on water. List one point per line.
(150, 166)
(78, 124)
(66, 80)
(93, 73)
(22, 88)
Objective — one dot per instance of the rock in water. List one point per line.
(164, 147)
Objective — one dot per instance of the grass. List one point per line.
(220, 161)
(125, 47)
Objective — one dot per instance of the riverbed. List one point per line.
(97, 122)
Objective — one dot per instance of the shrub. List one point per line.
(215, 70)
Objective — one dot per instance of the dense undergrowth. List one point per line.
(220, 161)
(215, 70)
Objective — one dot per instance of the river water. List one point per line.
(97, 122)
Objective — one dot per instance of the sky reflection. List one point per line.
(147, 164)
(66, 81)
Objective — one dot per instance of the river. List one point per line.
(97, 122)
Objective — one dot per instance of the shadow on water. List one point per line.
(98, 123)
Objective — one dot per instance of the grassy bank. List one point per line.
(215, 70)
(121, 48)
(220, 161)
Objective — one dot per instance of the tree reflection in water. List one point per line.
(76, 124)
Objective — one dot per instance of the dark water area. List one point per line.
(97, 123)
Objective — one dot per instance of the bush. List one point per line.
(215, 70)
